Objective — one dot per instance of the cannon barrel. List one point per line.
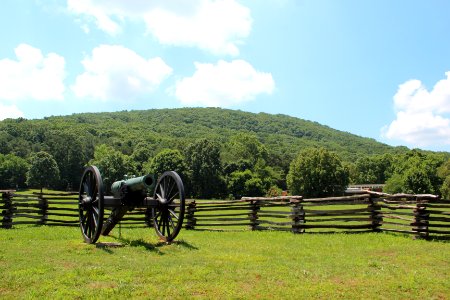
(131, 193)
(133, 184)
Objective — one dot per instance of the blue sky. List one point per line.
(378, 69)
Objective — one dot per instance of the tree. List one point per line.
(445, 188)
(372, 169)
(245, 183)
(395, 184)
(168, 160)
(112, 164)
(203, 160)
(13, 171)
(70, 154)
(247, 147)
(316, 172)
(444, 173)
(43, 171)
(416, 173)
(141, 155)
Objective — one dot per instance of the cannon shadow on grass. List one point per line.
(149, 246)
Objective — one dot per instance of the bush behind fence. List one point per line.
(423, 216)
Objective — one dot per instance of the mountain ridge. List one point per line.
(181, 125)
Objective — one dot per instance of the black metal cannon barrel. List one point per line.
(166, 207)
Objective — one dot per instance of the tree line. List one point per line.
(219, 153)
(242, 170)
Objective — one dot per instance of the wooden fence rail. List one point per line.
(53, 210)
(423, 216)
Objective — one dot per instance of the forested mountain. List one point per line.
(174, 128)
(141, 135)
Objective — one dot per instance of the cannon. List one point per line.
(165, 207)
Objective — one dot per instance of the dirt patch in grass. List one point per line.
(102, 285)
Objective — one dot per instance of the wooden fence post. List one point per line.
(7, 211)
(298, 216)
(253, 216)
(375, 212)
(43, 205)
(421, 220)
(190, 216)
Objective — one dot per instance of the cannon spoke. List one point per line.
(166, 187)
(160, 222)
(88, 184)
(173, 197)
(173, 214)
(85, 188)
(83, 220)
(171, 222)
(94, 219)
(168, 227)
(93, 184)
(89, 221)
(164, 217)
(172, 185)
(162, 192)
(86, 225)
(160, 198)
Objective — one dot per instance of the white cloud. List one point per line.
(117, 73)
(32, 75)
(422, 116)
(223, 84)
(9, 111)
(96, 13)
(218, 26)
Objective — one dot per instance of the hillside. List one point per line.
(174, 128)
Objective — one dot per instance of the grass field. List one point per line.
(52, 262)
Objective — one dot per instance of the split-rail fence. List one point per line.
(423, 216)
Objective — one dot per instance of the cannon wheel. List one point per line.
(90, 204)
(169, 213)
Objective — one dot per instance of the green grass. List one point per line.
(51, 262)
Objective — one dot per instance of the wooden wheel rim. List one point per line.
(168, 215)
(90, 204)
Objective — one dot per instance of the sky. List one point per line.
(375, 68)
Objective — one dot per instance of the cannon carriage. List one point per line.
(165, 207)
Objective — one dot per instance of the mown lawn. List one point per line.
(51, 262)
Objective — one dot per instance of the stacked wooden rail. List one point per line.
(422, 216)
(53, 210)
(39, 209)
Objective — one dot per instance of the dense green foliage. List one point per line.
(203, 158)
(43, 171)
(372, 169)
(13, 171)
(317, 172)
(415, 172)
(173, 160)
(112, 164)
(262, 144)
(444, 174)
(167, 159)
(245, 183)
